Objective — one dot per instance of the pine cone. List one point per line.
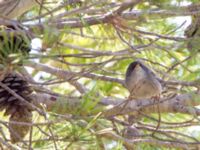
(17, 109)
(14, 47)
(19, 130)
(8, 101)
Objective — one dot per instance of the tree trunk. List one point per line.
(14, 8)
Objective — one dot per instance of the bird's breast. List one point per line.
(142, 86)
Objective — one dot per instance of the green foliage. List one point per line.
(13, 48)
(97, 56)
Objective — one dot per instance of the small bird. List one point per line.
(142, 82)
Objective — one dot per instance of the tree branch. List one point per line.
(183, 103)
(15, 8)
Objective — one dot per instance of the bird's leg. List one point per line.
(125, 103)
(157, 100)
(132, 118)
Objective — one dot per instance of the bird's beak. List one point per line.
(137, 66)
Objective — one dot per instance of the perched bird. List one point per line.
(141, 82)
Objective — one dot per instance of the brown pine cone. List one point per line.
(18, 110)
(19, 130)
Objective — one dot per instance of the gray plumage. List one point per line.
(141, 82)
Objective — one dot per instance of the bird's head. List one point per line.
(136, 67)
